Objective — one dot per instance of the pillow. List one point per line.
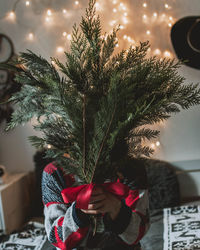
(163, 184)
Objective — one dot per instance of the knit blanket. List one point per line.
(182, 228)
(175, 228)
(31, 237)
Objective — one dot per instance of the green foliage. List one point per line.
(103, 100)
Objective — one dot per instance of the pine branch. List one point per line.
(103, 100)
(38, 65)
(140, 151)
(37, 142)
(144, 133)
(103, 142)
(109, 43)
(78, 43)
(84, 134)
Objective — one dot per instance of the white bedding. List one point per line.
(181, 227)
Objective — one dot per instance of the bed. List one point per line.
(175, 225)
(174, 228)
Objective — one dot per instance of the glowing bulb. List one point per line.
(144, 17)
(166, 6)
(124, 8)
(133, 41)
(167, 53)
(69, 37)
(49, 13)
(152, 145)
(170, 18)
(125, 36)
(157, 143)
(53, 63)
(76, 2)
(169, 24)
(48, 146)
(114, 10)
(148, 32)
(64, 33)
(12, 15)
(47, 19)
(98, 6)
(144, 5)
(157, 52)
(121, 4)
(121, 27)
(27, 3)
(59, 49)
(114, 1)
(162, 17)
(125, 14)
(155, 14)
(64, 11)
(130, 39)
(112, 22)
(117, 45)
(30, 36)
(125, 20)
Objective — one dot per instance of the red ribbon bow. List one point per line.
(82, 193)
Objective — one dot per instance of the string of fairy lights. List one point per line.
(120, 14)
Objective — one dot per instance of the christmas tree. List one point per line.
(97, 108)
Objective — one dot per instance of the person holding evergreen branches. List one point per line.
(120, 223)
(101, 99)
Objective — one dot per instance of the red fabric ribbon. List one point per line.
(82, 193)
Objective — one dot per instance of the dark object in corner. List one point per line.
(186, 40)
(2, 171)
(8, 85)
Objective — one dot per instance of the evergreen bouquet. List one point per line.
(99, 106)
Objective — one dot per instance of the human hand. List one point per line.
(103, 202)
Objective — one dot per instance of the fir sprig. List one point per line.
(98, 111)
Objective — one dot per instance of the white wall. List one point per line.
(15, 151)
(180, 137)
